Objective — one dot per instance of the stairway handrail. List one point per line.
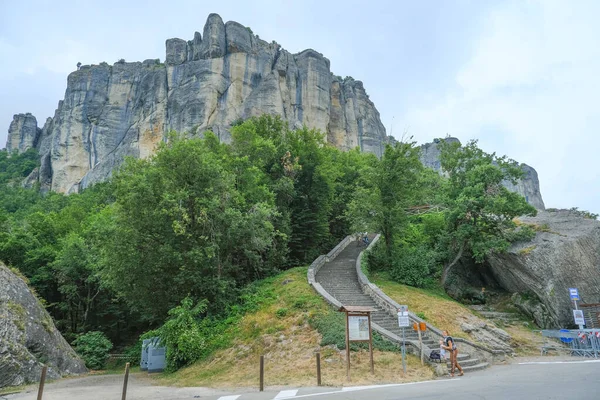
(392, 306)
(318, 263)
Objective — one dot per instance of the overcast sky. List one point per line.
(523, 77)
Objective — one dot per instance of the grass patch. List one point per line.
(527, 250)
(12, 389)
(439, 308)
(284, 326)
(19, 313)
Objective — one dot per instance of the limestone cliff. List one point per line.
(528, 186)
(220, 76)
(28, 337)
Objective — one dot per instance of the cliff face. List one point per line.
(528, 186)
(28, 337)
(564, 254)
(209, 82)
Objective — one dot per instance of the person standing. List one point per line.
(449, 345)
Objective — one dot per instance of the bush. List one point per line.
(282, 312)
(415, 266)
(93, 347)
(182, 334)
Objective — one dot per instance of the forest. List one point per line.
(172, 244)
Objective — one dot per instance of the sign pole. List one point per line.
(574, 294)
(403, 322)
(371, 344)
(403, 352)
(420, 342)
(347, 348)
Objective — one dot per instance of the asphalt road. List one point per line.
(553, 380)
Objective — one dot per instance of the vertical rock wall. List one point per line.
(224, 75)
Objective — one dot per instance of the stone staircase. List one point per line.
(339, 278)
(502, 317)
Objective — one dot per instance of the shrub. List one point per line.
(415, 266)
(182, 334)
(93, 347)
(282, 312)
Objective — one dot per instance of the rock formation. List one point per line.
(28, 337)
(528, 186)
(565, 253)
(215, 79)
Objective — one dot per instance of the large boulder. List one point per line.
(28, 337)
(565, 253)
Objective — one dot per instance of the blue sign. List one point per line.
(574, 293)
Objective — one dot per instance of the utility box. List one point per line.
(157, 356)
(144, 359)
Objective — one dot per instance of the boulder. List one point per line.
(565, 253)
(28, 337)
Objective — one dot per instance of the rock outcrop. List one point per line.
(528, 186)
(208, 83)
(23, 133)
(565, 253)
(487, 334)
(28, 337)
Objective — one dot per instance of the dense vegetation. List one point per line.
(177, 240)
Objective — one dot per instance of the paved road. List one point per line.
(564, 380)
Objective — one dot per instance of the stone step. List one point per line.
(472, 368)
(500, 315)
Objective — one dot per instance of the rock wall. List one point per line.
(209, 82)
(28, 337)
(528, 187)
(565, 253)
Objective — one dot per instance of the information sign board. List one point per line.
(578, 316)
(358, 327)
(403, 320)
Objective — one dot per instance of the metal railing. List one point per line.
(581, 342)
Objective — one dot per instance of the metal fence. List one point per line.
(584, 342)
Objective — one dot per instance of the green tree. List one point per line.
(480, 210)
(182, 226)
(388, 189)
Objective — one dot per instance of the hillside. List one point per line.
(436, 307)
(282, 328)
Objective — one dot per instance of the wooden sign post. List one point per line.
(358, 329)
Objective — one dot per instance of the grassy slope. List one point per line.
(280, 331)
(444, 312)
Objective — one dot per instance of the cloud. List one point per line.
(529, 90)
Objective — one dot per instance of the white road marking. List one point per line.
(233, 397)
(558, 362)
(357, 388)
(284, 394)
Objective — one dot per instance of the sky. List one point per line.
(521, 77)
